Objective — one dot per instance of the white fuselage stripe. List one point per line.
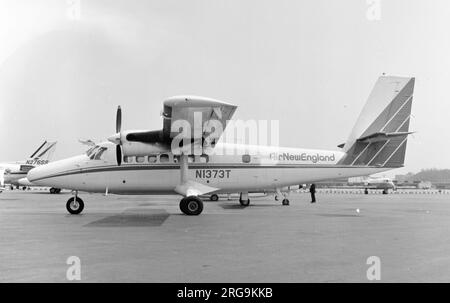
(393, 116)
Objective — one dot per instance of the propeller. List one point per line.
(118, 130)
(116, 139)
(118, 120)
(119, 154)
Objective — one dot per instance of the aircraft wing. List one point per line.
(192, 188)
(87, 142)
(203, 115)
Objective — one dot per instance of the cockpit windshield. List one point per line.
(96, 152)
(91, 150)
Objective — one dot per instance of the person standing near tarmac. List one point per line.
(312, 190)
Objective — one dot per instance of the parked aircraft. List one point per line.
(375, 183)
(13, 172)
(181, 159)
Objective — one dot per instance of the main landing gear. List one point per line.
(285, 200)
(75, 205)
(191, 206)
(243, 199)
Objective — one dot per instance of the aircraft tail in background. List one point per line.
(43, 154)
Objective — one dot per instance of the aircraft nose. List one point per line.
(38, 173)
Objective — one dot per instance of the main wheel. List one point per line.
(52, 190)
(285, 202)
(191, 206)
(75, 206)
(214, 197)
(244, 202)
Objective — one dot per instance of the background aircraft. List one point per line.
(149, 162)
(14, 173)
(376, 183)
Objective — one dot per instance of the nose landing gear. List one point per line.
(75, 205)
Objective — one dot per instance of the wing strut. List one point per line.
(188, 187)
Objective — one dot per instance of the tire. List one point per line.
(244, 202)
(214, 198)
(52, 190)
(191, 206)
(285, 202)
(75, 208)
(57, 190)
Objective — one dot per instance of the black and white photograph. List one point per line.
(222, 146)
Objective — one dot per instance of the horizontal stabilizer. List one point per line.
(377, 137)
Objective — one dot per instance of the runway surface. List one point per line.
(147, 239)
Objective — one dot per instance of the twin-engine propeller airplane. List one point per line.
(181, 159)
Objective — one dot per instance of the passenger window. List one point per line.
(140, 159)
(191, 159)
(128, 159)
(164, 158)
(176, 159)
(204, 159)
(246, 158)
(152, 159)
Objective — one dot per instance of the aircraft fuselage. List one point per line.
(238, 168)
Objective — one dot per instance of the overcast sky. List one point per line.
(66, 65)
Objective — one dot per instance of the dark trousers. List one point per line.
(313, 197)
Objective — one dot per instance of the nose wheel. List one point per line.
(191, 206)
(75, 205)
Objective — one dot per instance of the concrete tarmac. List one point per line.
(147, 239)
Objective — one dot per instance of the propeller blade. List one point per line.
(119, 154)
(118, 120)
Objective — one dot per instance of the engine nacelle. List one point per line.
(143, 149)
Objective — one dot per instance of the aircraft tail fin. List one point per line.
(380, 134)
(44, 152)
